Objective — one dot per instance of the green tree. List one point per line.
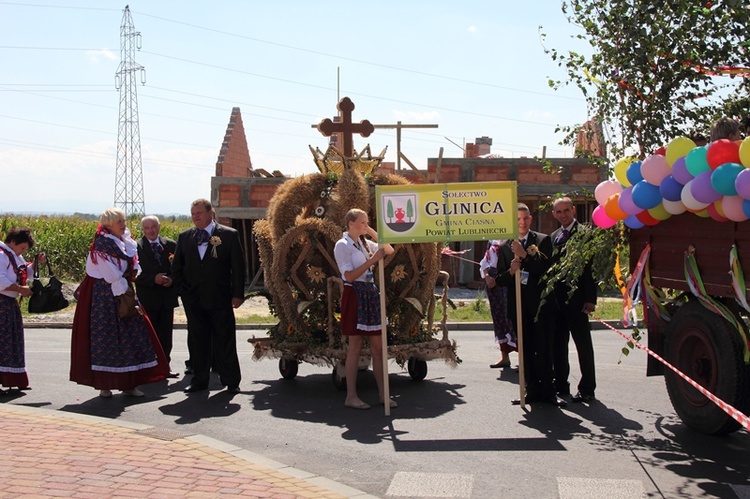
(651, 71)
(409, 210)
(389, 210)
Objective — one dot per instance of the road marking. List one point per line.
(408, 484)
(584, 488)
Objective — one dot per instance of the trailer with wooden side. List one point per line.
(707, 346)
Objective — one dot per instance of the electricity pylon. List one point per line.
(129, 171)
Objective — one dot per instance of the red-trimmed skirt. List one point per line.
(12, 359)
(108, 352)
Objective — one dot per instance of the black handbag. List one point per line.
(47, 298)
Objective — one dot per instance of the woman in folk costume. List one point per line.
(495, 261)
(109, 352)
(14, 272)
(360, 301)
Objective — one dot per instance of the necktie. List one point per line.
(158, 251)
(201, 236)
(524, 242)
(562, 237)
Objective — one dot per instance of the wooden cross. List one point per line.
(346, 128)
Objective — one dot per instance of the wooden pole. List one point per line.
(519, 333)
(384, 339)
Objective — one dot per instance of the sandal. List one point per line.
(356, 404)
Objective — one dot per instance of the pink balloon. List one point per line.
(601, 219)
(654, 169)
(626, 202)
(714, 213)
(732, 206)
(742, 183)
(605, 189)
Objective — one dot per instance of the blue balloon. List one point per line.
(633, 173)
(670, 189)
(746, 207)
(646, 196)
(633, 222)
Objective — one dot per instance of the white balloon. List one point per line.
(674, 207)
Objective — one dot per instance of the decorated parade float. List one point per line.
(688, 209)
(296, 242)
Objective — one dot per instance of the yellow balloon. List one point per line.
(659, 212)
(703, 214)
(621, 170)
(678, 148)
(745, 152)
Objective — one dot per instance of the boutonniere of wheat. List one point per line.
(215, 241)
(533, 251)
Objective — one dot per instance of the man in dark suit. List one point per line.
(529, 255)
(209, 271)
(156, 293)
(573, 313)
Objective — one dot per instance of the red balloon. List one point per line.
(722, 151)
(662, 151)
(646, 218)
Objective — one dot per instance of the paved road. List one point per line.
(453, 435)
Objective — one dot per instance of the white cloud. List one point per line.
(95, 56)
(472, 29)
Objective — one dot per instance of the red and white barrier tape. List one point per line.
(728, 408)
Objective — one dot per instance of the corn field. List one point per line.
(66, 239)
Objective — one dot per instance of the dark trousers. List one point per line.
(576, 324)
(163, 321)
(537, 355)
(212, 338)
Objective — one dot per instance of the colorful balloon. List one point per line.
(732, 206)
(722, 151)
(654, 169)
(742, 183)
(612, 208)
(723, 177)
(670, 188)
(605, 189)
(677, 148)
(702, 190)
(673, 207)
(659, 212)
(703, 213)
(691, 204)
(634, 172)
(745, 152)
(600, 218)
(680, 172)
(696, 161)
(626, 201)
(662, 151)
(646, 218)
(633, 222)
(746, 207)
(714, 213)
(646, 195)
(621, 170)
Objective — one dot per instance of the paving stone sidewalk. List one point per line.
(55, 454)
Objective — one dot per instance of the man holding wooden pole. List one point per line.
(530, 255)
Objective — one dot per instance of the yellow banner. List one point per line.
(472, 211)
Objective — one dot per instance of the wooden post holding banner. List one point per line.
(519, 341)
(384, 338)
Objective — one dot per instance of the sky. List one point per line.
(474, 68)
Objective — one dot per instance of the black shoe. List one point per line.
(556, 401)
(583, 397)
(195, 388)
(234, 390)
(173, 374)
(188, 370)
